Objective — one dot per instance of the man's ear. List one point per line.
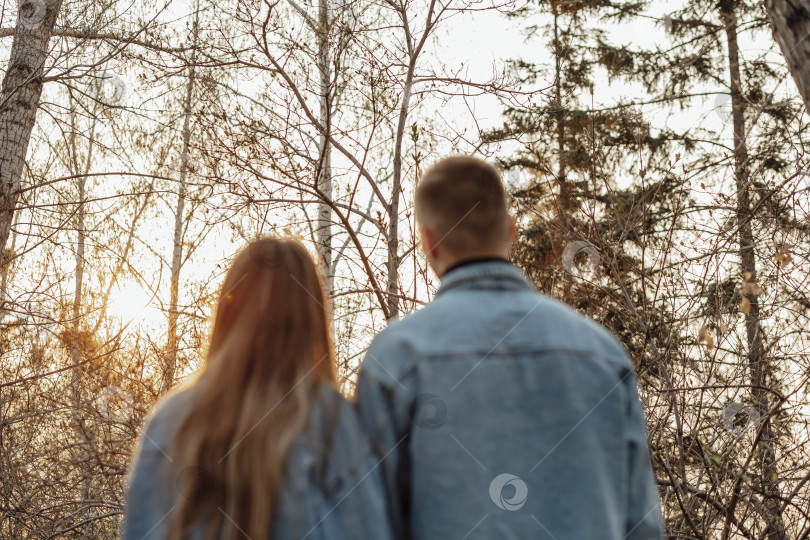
(429, 241)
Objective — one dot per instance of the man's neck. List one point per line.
(466, 261)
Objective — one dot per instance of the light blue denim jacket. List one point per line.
(502, 413)
(333, 487)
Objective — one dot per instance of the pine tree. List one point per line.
(630, 190)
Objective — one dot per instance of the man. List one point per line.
(499, 412)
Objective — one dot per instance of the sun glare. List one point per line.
(131, 303)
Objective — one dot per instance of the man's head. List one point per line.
(461, 207)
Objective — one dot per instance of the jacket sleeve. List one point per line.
(382, 405)
(358, 508)
(644, 510)
(147, 514)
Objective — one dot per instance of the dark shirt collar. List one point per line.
(475, 260)
(491, 273)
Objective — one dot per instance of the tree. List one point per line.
(790, 20)
(660, 190)
(671, 252)
(372, 142)
(19, 100)
(170, 368)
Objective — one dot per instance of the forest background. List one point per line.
(655, 152)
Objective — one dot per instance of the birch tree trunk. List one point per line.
(324, 173)
(19, 100)
(414, 50)
(757, 361)
(5, 267)
(76, 355)
(396, 188)
(77, 343)
(790, 21)
(177, 251)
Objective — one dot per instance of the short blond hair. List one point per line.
(462, 200)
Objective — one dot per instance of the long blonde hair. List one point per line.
(270, 348)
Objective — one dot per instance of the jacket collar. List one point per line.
(502, 272)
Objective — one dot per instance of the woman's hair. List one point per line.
(270, 347)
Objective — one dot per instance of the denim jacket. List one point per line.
(502, 413)
(332, 488)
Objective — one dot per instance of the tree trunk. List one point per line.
(414, 49)
(78, 344)
(5, 268)
(790, 21)
(757, 362)
(324, 173)
(19, 100)
(170, 367)
(564, 199)
(393, 207)
(76, 347)
(396, 188)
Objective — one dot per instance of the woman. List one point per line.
(261, 445)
